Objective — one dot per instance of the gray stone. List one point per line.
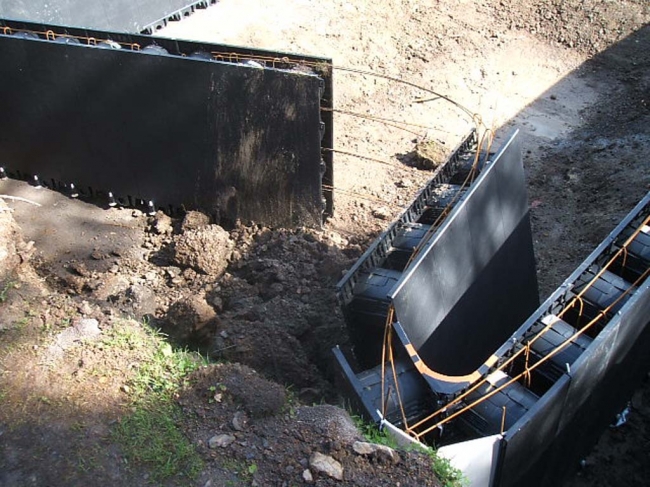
(307, 476)
(382, 452)
(221, 441)
(326, 465)
(239, 421)
(142, 300)
(362, 448)
(82, 329)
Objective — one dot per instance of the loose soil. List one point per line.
(572, 76)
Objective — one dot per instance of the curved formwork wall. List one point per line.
(527, 414)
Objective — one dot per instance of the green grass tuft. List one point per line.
(5, 290)
(373, 434)
(448, 475)
(149, 435)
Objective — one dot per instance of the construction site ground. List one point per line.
(89, 394)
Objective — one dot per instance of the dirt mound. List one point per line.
(13, 249)
(245, 423)
(235, 385)
(278, 309)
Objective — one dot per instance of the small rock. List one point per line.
(194, 220)
(150, 276)
(307, 476)
(378, 451)
(382, 213)
(217, 304)
(84, 308)
(173, 271)
(221, 441)
(79, 268)
(162, 223)
(326, 465)
(404, 183)
(239, 421)
(142, 300)
(97, 255)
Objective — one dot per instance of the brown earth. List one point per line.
(572, 76)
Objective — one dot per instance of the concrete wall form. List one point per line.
(474, 280)
(567, 404)
(187, 125)
(547, 442)
(482, 247)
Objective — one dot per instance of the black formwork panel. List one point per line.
(528, 439)
(559, 333)
(122, 15)
(363, 390)
(232, 140)
(368, 310)
(474, 282)
(610, 347)
(376, 254)
(602, 381)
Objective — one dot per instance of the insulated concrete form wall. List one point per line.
(474, 278)
(156, 121)
(120, 15)
(549, 440)
(586, 399)
(363, 291)
(474, 281)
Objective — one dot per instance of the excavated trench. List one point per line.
(275, 308)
